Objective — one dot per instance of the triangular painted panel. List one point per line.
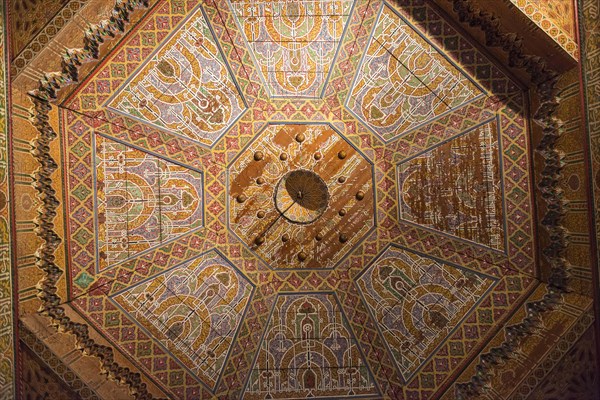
(456, 187)
(309, 351)
(417, 303)
(185, 87)
(142, 201)
(403, 81)
(294, 43)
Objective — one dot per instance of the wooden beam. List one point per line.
(534, 39)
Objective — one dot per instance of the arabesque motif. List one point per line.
(309, 351)
(194, 310)
(142, 201)
(294, 43)
(403, 81)
(185, 87)
(417, 302)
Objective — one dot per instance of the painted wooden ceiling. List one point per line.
(166, 142)
(298, 199)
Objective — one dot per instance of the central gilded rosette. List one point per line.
(301, 196)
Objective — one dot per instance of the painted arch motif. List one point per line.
(185, 87)
(193, 310)
(309, 351)
(142, 201)
(294, 43)
(403, 81)
(417, 303)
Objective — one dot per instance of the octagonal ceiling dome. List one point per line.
(258, 135)
(297, 199)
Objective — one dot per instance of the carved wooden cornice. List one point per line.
(545, 82)
(49, 85)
